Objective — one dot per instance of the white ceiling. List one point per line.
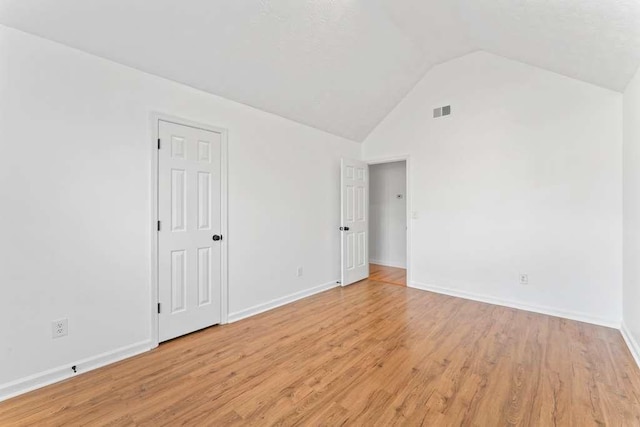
(337, 65)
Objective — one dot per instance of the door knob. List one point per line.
(344, 228)
(216, 237)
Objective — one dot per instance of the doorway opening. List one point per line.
(388, 223)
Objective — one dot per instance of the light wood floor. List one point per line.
(369, 354)
(392, 275)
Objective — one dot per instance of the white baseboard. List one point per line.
(51, 376)
(60, 373)
(581, 317)
(387, 263)
(269, 305)
(634, 348)
(54, 375)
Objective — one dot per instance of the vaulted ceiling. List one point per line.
(337, 65)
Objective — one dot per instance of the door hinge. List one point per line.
(158, 143)
(158, 225)
(158, 308)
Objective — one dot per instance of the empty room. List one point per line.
(320, 212)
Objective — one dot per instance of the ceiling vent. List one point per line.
(441, 111)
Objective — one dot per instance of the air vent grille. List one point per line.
(442, 111)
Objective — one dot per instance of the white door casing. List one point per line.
(189, 214)
(354, 194)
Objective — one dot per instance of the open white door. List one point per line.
(189, 229)
(354, 188)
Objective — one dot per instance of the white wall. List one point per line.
(631, 290)
(75, 203)
(524, 177)
(388, 214)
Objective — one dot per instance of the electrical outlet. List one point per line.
(524, 279)
(59, 328)
(299, 272)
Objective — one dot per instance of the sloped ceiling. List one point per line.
(337, 65)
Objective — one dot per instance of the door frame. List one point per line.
(403, 158)
(224, 272)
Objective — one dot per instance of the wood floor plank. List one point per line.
(392, 275)
(367, 354)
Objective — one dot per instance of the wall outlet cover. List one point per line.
(59, 328)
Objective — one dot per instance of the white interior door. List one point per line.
(189, 236)
(355, 222)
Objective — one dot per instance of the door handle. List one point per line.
(344, 228)
(216, 237)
